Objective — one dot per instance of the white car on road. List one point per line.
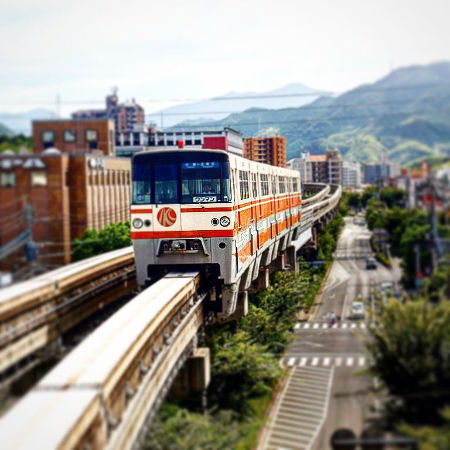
(357, 310)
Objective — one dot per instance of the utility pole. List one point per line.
(30, 246)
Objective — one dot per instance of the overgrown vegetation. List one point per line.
(244, 365)
(408, 229)
(93, 242)
(15, 143)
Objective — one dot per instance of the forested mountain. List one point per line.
(291, 95)
(405, 114)
(4, 130)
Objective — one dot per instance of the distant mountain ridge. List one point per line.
(406, 115)
(20, 123)
(291, 95)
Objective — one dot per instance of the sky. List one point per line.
(162, 52)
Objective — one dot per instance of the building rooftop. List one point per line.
(318, 158)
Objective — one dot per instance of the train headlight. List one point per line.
(215, 221)
(138, 223)
(224, 221)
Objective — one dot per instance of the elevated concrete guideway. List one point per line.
(104, 392)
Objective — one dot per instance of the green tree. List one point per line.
(430, 437)
(180, 429)
(410, 349)
(241, 370)
(114, 236)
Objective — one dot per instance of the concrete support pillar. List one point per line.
(278, 264)
(194, 376)
(263, 280)
(291, 258)
(242, 304)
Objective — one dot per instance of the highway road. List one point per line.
(326, 388)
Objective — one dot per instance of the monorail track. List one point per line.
(36, 313)
(116, 378)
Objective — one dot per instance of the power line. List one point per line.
(355, 91)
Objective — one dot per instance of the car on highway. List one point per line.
(386, 287)
(357, 310)
(359, 221)
(371, 263)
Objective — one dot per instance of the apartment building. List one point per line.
(124, 115)
(351, 174)
(302, 165)
(268, 150)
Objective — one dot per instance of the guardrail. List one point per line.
(101, 394)
(321, 189)
(37, 311)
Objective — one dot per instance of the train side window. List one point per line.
(282, 185)
(243, 185)
(274, 185)
(264, 185)
(254, 185)
(294, 185)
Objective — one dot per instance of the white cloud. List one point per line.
(199, 48)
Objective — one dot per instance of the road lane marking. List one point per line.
(338, 361)
(316, 325)
(326, 361)
(353, 325)
(297, 326)
(350, 362)
(344, 325)
(325, 325)
(303, 362)
(363, 325)
(314, 361)
(335, 325)
(291, 362)
(361, 361)
(306, 326)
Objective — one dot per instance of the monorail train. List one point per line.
(211, 210)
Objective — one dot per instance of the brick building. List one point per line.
(268, 150)
(94, 136)
(66, 194)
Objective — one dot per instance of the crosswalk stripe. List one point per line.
(361, 361)
(316, 325)
(363, 325)
(325, 325)
(326, 361)
(291, 362)
(338, 361)
(306, 326)
(303, 362)
(297, 326)
(315, 361)
(349, 361)
(335, 325)
(344, 325)
(353, 325)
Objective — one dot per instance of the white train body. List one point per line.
(211, 210)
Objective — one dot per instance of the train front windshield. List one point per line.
(181, 177)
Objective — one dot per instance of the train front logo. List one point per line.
(166, 217)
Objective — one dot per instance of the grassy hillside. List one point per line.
(405, 114)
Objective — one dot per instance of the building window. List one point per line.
(92, 138)
(7, 179)
(69, 136)
(48, 139)
(38, 178)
